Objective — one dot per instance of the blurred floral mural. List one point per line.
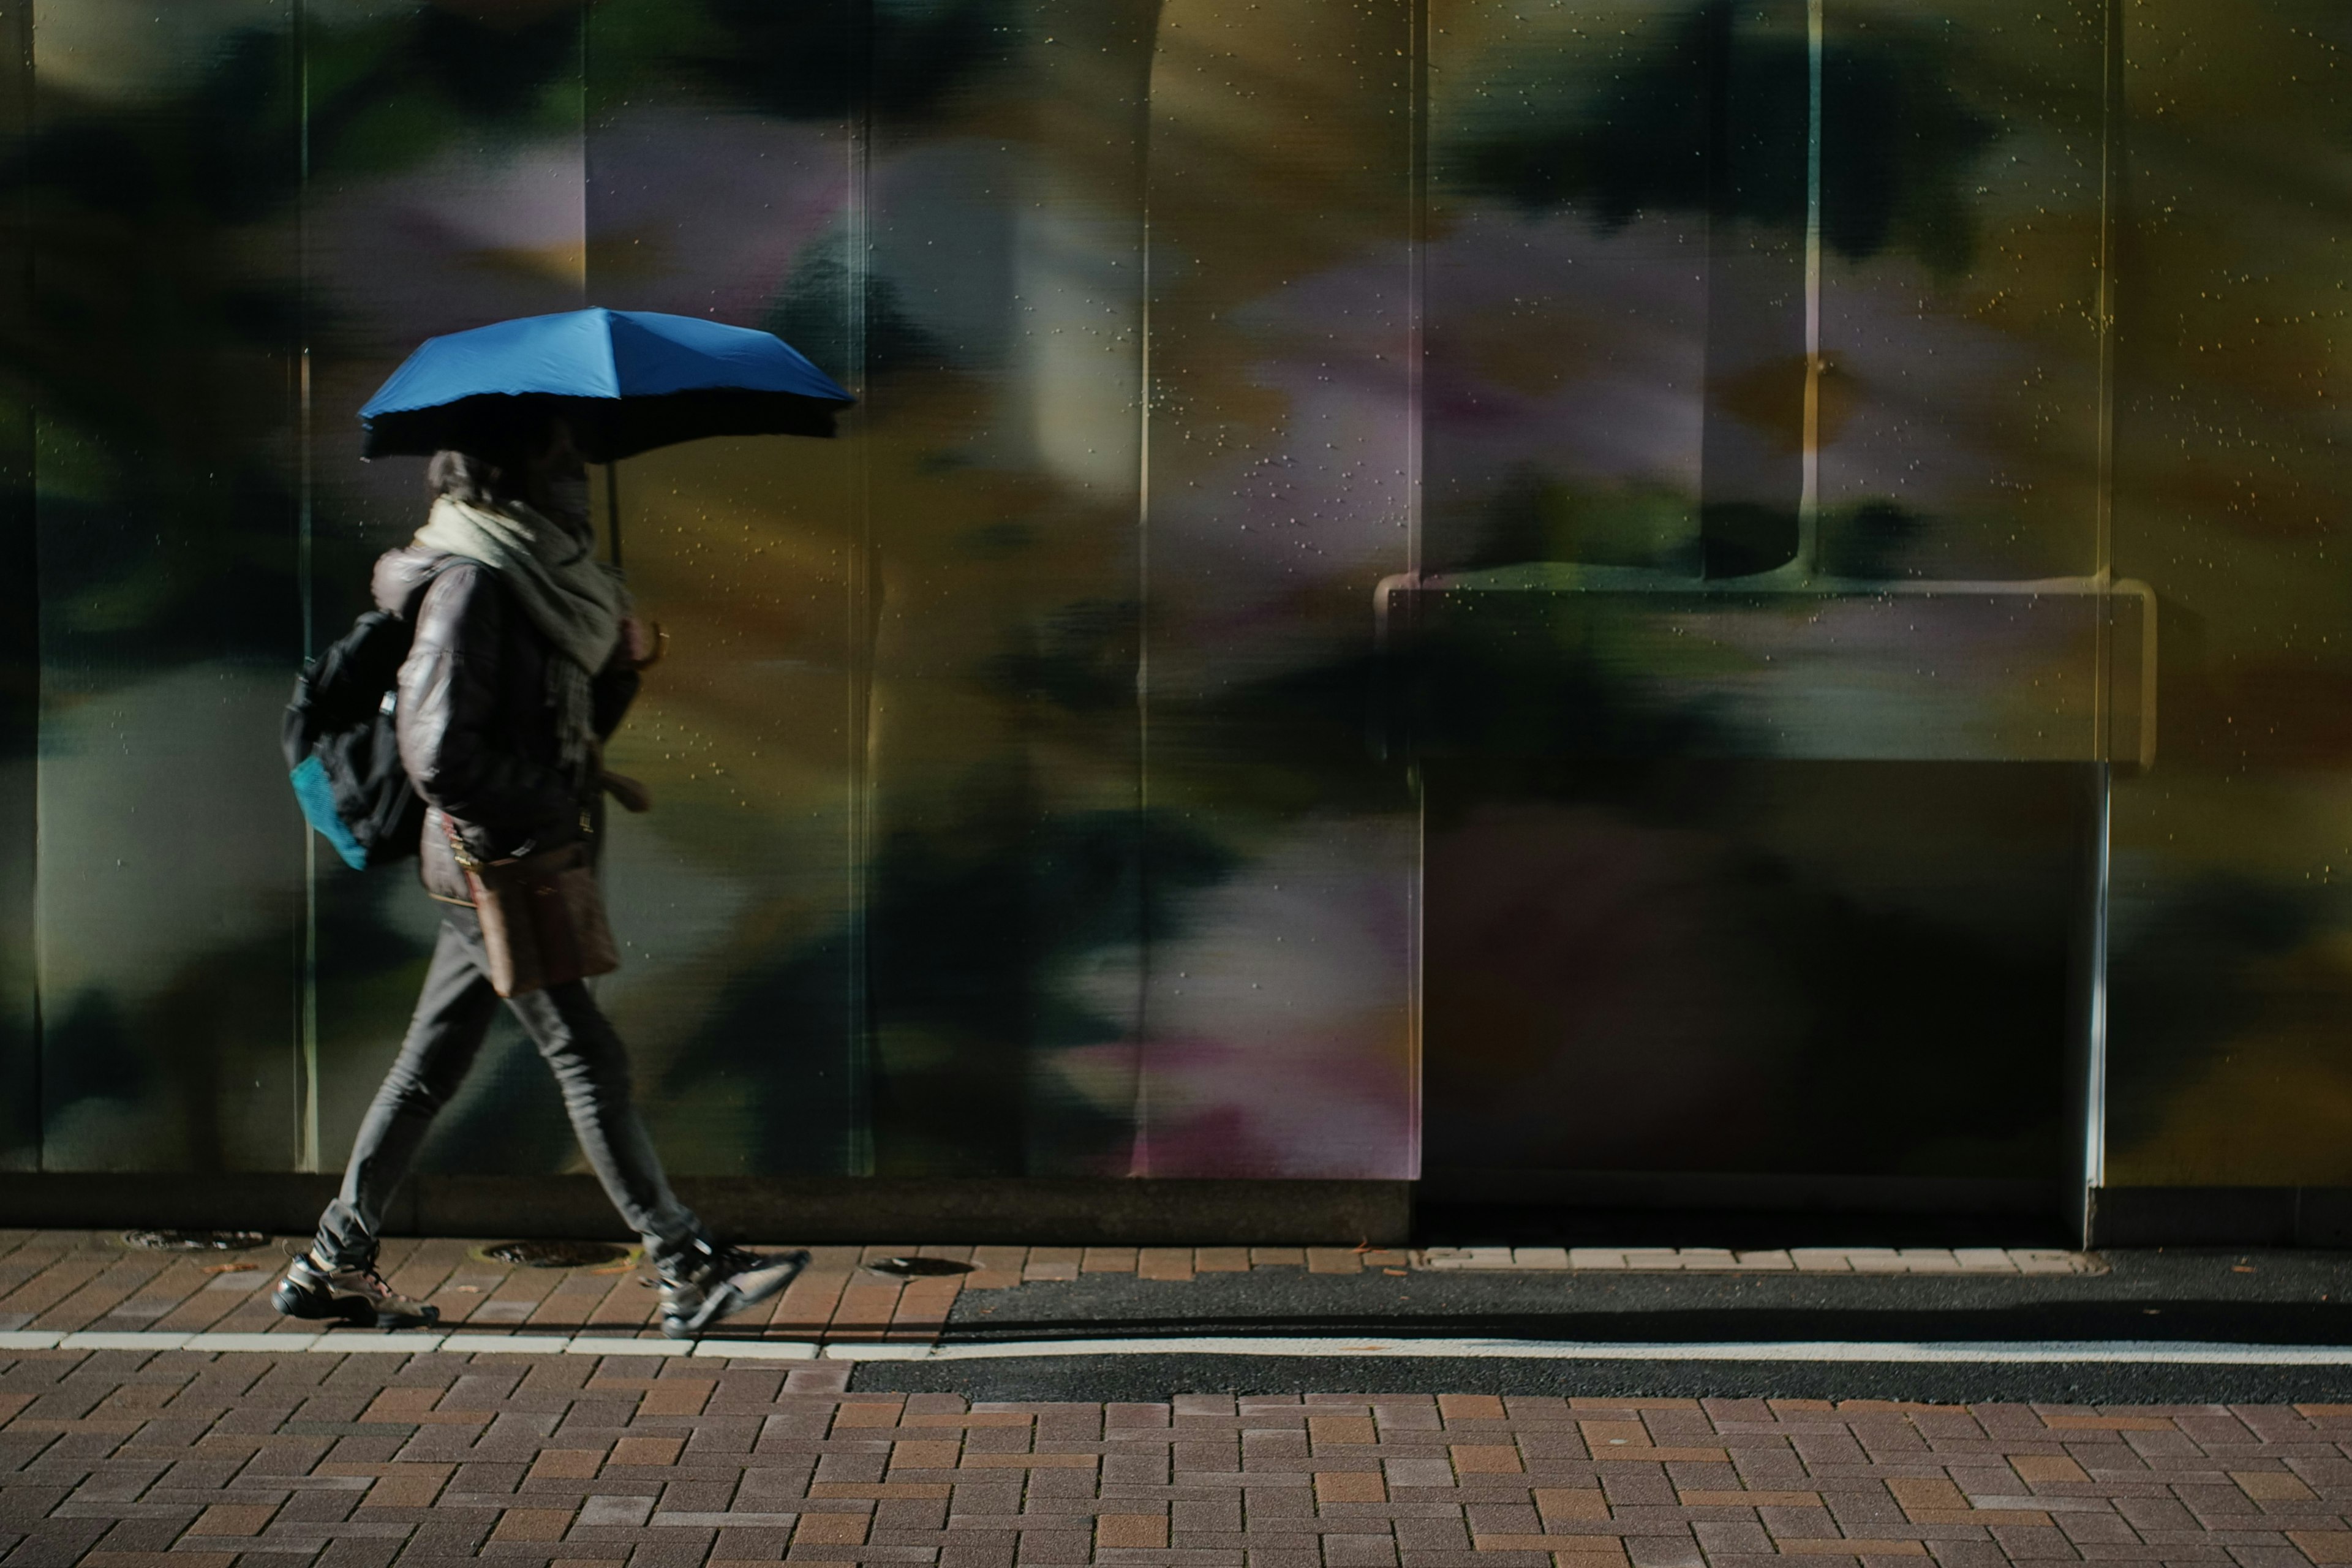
(1419, 588)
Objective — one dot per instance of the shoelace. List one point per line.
(364, 1270)
(717, 1264)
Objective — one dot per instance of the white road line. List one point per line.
(500, 1344)
(758, 1350)
(613, 1344)
(2026, 1353)
(2021, 1354)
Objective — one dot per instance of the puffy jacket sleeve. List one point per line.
(448, 718)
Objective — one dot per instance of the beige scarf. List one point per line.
(550, 566)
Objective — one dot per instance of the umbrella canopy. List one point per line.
(628, 381)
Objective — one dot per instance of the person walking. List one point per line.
(525, 657)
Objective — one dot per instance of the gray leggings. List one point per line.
(590, 1064)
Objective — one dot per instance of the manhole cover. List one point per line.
(911, 1268)
(195, 1240)
(557, 1254)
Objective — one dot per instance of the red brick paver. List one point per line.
(181, 1458)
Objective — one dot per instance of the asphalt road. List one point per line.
(1154, 1379)
(2282, 1299)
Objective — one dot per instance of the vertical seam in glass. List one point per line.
(2094, 1087)
(858, 1154)
(1416, 282)
(1416, 244)
(1809, 497)
(2094, 1076)
(2110, 145)
(1139, 1161)
(2104, 309)
(28, 42)
(588, 188)
(309, 1153)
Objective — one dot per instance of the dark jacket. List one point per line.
(476, 729)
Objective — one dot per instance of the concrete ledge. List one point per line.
(1032, 1210)
(2222, 1216)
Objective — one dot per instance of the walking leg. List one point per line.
(701, 1283)
(592, 1068)
(452, 1014)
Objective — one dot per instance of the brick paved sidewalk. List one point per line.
(69, 1281)
(117, 1458)
(65, 1281)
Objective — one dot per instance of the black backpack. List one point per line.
(342, 749)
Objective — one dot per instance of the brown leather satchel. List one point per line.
(542, 917)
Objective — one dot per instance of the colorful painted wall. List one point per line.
(1520, 594)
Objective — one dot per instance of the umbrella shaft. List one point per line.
(613, 508)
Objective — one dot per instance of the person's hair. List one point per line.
(488, 456)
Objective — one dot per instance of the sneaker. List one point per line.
(356, 1295)
(714, 1282)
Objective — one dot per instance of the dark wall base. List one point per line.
(2222, 1216)
(1067, 1212)
(1711, 1190)
(884, 1210)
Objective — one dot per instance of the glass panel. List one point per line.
(724, 153)
(20, 628)
(1786, 968)
(1037, 793)
(1278, 1034)
(1960, 219)
(1003, 314)
(445, 191)
(2232, 973)
(1756, 362)
(164, 338)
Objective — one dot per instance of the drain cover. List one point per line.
(194, 1240)
(557, 1254)
(911, 1268)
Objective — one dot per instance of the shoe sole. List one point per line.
(321, 1306)
(729, 1302)
(353, 1311)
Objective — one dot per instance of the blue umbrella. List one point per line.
(628, 381)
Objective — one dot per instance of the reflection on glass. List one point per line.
(1734, 461)
(2230, 973)
(1403, 572)
(160, 325)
